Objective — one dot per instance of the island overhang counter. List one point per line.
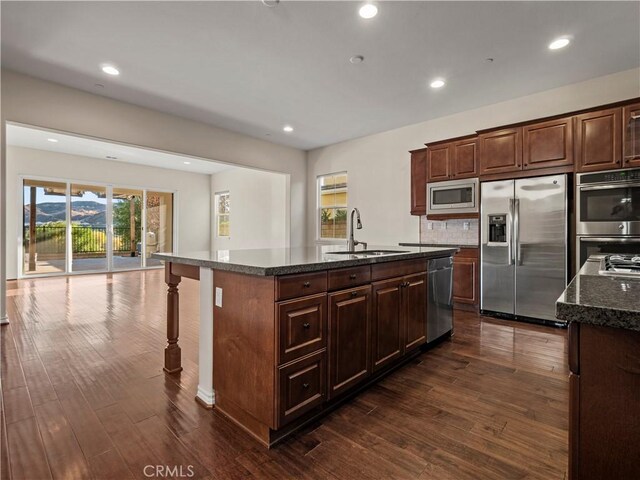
(285, 334)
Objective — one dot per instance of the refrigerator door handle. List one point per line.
(509, 233)
(516, 231)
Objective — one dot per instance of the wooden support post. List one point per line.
(172, 352)
(32, 229)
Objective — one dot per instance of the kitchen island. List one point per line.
(604, 384)
(287, 334)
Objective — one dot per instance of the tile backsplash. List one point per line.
(458, 232)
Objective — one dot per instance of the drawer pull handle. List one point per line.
(306, 325)
(352, 276)
(354, 294)
(305, 385)
(306, 284)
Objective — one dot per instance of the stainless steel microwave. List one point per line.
(453, 196)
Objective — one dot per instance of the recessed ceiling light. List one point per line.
(559, 43)
(52, 140)
(438, 83)
(356, 59)
(187, 163)
(110, 70)
(368, 10)
(287, 128)
(270, 3)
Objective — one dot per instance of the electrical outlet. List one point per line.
(429, 225)
(218, 297)
(466, 225)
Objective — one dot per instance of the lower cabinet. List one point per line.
(302, 386)
(466, 273)
(399, 319)
(349, 346)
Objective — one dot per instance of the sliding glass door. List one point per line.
(88, 228)
(78, 227)
(44, 227)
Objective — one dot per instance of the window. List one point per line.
(332, 206)
(222, 214)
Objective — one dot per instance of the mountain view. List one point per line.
(84, 212)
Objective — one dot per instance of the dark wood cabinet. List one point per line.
(349, 333)
(415, 314)
(438, 162)
(598, 140)
(399, 318)
(548, 144)
(501, 151)
(455, 158)
(302, 326)
(604, 406)
(386, 331)
(466, 268)
(631, 135)
(302, 386)
(464, 158)
(419, 182)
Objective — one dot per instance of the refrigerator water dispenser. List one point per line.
(498, 228)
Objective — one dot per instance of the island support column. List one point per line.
(206, 394)
(172, 352)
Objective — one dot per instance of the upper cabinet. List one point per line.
(419, 182)
(457, 158)
(547, 144)
(631, 135)
(501, 151)
(598, 140)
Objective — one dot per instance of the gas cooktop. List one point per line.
(620, 265)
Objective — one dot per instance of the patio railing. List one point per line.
(84, 239)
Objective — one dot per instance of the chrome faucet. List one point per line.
(352, 242)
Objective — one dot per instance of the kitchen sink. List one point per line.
(368, 253)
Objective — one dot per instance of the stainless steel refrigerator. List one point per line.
(523, 246)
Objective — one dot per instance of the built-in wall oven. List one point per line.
(607, 213)
(453, 196)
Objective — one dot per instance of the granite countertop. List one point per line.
(600, 299)
(283, 261)
(449, 245)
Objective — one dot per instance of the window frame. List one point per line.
(320, 207)
(218, 215)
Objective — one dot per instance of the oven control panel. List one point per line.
(614, 176)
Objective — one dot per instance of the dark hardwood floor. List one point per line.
(84, 396)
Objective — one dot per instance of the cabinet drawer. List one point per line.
(302, 386)
(292, 286)
(302, 327)
(349, 277)
(398, 269)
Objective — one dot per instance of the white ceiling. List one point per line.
(252, 69)
(22, 136)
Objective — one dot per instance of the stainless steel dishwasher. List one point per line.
(440, 299)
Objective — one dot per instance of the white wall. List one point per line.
(379, 165)
(258, 209)
(192, 201)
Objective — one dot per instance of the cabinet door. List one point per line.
(302, 327)
(598, 140)
(631, 135)
(415, 309)
(464, 159)
(419, 182)
(302, 386)
(386, 325)
(349, 334)
(501, 151)
(438, 162)
(465, 277)
(548, 144)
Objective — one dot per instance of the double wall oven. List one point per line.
(608, 213)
